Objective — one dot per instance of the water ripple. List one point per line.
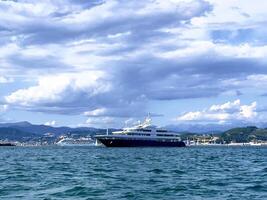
(133, 173)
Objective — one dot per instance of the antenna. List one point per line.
(147, 120)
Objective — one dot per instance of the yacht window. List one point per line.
(139, 134)
(166, 135)
(161, 131)
(144, 130)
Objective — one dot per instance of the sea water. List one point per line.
(133, 173)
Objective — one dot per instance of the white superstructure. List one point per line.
(146, 130)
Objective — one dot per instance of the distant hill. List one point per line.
(15, 134)
(17, 124)
(21, 131)
(244, 134)
(239, 135)
(43, 129)
(209, 128)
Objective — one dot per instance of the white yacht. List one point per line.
(68, 141)
(144, 134)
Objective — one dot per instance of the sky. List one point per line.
(110, 63)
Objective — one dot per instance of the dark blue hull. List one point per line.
(114, 142)
(7, 144)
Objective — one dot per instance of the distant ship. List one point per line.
(68, 141)
(142, 135)
(6, 144)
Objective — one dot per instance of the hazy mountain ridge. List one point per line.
(24, 130)
(209, 128)
(15, 134)
(43, 129)
(245, 134)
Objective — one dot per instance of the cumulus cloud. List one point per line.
(133, 23)
(226, 106)
(5, 80)
(222, 113)
(102, 122)
(50, 123)
(112, 58)
(50, 22)
(62, 91)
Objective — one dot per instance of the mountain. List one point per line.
(244, 134)
(15, 134)
(43, 129)
(23, 131)
(17, 124)
(209, 128)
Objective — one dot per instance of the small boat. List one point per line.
(142, 135)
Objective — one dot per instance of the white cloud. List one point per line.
(5, 80)
(222, 113)
(226, 106)
(50, 123)
(96, 112)
(3, 108)
(141, 51)
(203, 116)
(198, 48)
(101, 122)
(233, 11)
(257, 82)
(248, 111)
(60, 88)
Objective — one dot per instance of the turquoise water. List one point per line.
(133, 173)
